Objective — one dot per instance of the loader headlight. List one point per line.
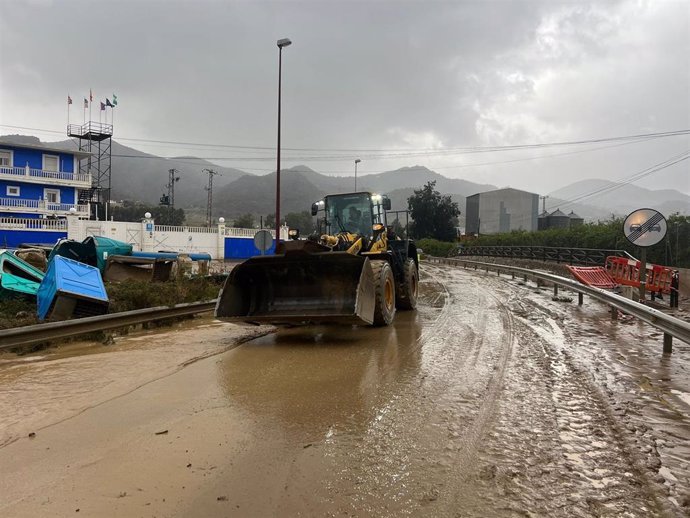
(377, 227)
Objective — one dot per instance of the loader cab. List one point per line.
(352, 212)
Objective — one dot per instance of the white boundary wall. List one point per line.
(145, 236)
(149, 237)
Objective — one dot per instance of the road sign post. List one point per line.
(643, 272)
(263, 240)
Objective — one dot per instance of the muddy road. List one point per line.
(490, 400)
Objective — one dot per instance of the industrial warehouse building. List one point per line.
(501, 210)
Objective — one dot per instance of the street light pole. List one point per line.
(284, 42)
(357, 161)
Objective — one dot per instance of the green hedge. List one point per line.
(436, 248)
(674, 250)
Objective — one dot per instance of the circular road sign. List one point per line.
(263, 240)
(645, 227)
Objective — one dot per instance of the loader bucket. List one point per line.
(296, 288)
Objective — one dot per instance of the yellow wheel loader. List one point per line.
(355, 272)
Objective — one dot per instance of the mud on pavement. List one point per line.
(490, 400)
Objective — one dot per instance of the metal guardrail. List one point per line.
(29, 335)
(575, 256)
(671, 326)
(38, 333)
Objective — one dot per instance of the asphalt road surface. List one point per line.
(491, 399)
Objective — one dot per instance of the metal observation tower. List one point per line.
(95, 138)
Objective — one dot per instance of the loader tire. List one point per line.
(406, 296)
(384, 290)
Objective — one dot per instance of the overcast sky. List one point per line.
(393, 83)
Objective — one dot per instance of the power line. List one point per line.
(394, 152)
(631, 179)
(626, 181)
(460, 166)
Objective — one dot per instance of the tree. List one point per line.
(270, 220)
(244, 221)
(168, 216)
(433, 215)
(134, 211)
(301, 220)
(398, 228)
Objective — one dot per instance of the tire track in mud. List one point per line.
(422, 446)
(465, 456)
(556, 449)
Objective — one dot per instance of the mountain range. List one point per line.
(143, 177)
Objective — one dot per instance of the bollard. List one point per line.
(555, 290)
(614, 313)
(525, 278)
(668, 343)
(512, 275)
(580, 299)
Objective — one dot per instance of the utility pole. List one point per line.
(357, 161)
(169, 199)
(172, 179)
(543, 203)
(209, 189)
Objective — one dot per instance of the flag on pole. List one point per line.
(108, 103)
(90, 95)
(86, 103)
(114, 100)
(69, 100)
(102, 106)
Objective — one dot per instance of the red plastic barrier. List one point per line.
(627, 272)
(596, 276)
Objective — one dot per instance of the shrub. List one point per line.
(436, 248)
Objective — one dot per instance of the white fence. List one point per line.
(20, 203)
(145, 236)
(59, 225)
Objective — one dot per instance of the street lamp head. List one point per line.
(357, 161)
(284, 42)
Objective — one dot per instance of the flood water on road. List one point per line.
(489, 400)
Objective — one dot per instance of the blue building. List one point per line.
(40, 182)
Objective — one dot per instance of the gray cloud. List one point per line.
(365, 75)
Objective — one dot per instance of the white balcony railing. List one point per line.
(24, 173)
(19, 204)
(33, 224)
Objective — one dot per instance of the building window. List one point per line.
(51, 195)
(51, 163)
(12, 190)
(5, 158)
